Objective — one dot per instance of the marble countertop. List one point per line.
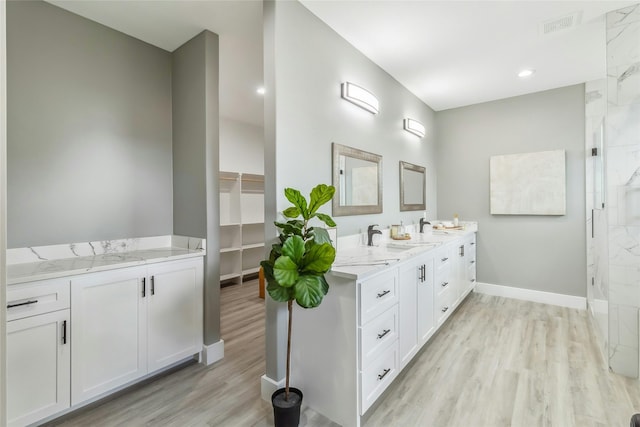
(360, 262)
(128, 256)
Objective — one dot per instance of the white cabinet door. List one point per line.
(409, 276)
(109, 329)
(426, 319)
(38, 357)
(174, 312)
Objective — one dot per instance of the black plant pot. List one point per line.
(286, 413)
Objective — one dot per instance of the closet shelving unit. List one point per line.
(241, 226)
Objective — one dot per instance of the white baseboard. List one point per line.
(212, 353)
(269, 386)
(561, 300)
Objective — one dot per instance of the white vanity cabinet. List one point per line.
(129, 322)
(347, 351)
(415, 306)
(38, 351)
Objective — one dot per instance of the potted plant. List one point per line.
(295, 272)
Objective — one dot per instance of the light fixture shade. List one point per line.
(360, 96)
(415, 127)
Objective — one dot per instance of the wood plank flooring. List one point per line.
(496, 362)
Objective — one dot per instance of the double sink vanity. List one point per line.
(87, 319)
(384, 304)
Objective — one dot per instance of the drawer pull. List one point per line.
(444, 309)
(444, 259)
(22, 303)
(381, 294)
(473, 280)
(473, 262)
(385, 332)
(153, 285)
(144, 287)
(383, 374)
(472, 243)
(444, 284)
(64, 332)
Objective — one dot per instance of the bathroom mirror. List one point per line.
(357, 177)
(412, 187)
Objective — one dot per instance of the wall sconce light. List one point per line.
(360, 96)
(414, 127)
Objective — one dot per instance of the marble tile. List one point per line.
(628, 326)
(623, 125)
(623, 163)
(623, 360)
(622, 44)
(595, 98)
(627, 84)
(623, 16)
(628, 199)
(624, 246)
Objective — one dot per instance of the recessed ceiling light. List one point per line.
(526, 73)
(260, 90)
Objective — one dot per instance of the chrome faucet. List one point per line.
(422, 223)
(370, 233)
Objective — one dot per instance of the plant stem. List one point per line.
(286, 388)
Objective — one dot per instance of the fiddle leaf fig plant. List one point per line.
(298, 262)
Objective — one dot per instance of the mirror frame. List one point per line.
(421, 169)
(343, 150)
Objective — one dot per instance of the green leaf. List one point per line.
(294, 248)
(285, 271)
(288, 228)
(319, 258)
(320, 195)
(309, 291)
(325, 284)
(291, 212)
(321, 235)
(279, 293)
(298, 200)
(326, 219)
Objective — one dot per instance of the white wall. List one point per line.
(241, 147)
(543, 253)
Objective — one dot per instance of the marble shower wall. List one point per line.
(622, 158)
(596, 218)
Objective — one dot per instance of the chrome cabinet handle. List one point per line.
(444, 259)
(473, 262)
(153, 285)
(19, 304)
(384, 332)
(444, 309)
(384, 374)
(472, 243)
(444, 284)
(380, 295)
(144, 287)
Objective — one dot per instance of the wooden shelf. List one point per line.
(229, 276)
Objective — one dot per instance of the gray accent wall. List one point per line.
(543, 253)
(196, 210)
(305, 63)
(89, 130)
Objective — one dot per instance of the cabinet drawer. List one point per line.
(34, 298)
(442, 260)
(377, 295)
(378, 334)
(377, 377)
(444, 303)
(443, 282)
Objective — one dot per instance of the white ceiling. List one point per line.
(449, 53)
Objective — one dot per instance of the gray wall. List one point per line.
(196, 208)
(89, 130)
(305, 63)
(545, 253)
(241, 147)
(311, 62)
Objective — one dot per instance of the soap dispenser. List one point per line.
(455, 220)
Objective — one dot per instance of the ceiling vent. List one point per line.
(561, 24)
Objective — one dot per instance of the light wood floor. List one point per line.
(496, 362)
